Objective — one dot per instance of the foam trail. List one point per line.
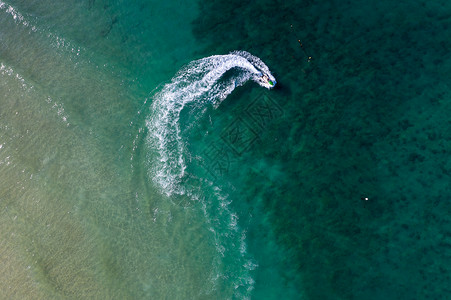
(199, 82)
(28, 22)
(18, 17)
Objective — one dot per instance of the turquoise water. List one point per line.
(140, 158)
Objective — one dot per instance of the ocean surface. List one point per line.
(225, 149)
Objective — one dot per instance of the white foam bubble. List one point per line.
(16, 15)
(29, 22)
(59, 108)
(6, 70)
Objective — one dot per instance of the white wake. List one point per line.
(201, 81)
(204, 82)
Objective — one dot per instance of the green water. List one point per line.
(77, 220)
(365, 100)
(272, 201)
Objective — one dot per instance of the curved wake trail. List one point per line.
(201, 83)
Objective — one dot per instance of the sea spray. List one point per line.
(202, 83)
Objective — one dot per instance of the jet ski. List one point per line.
(267, 80)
